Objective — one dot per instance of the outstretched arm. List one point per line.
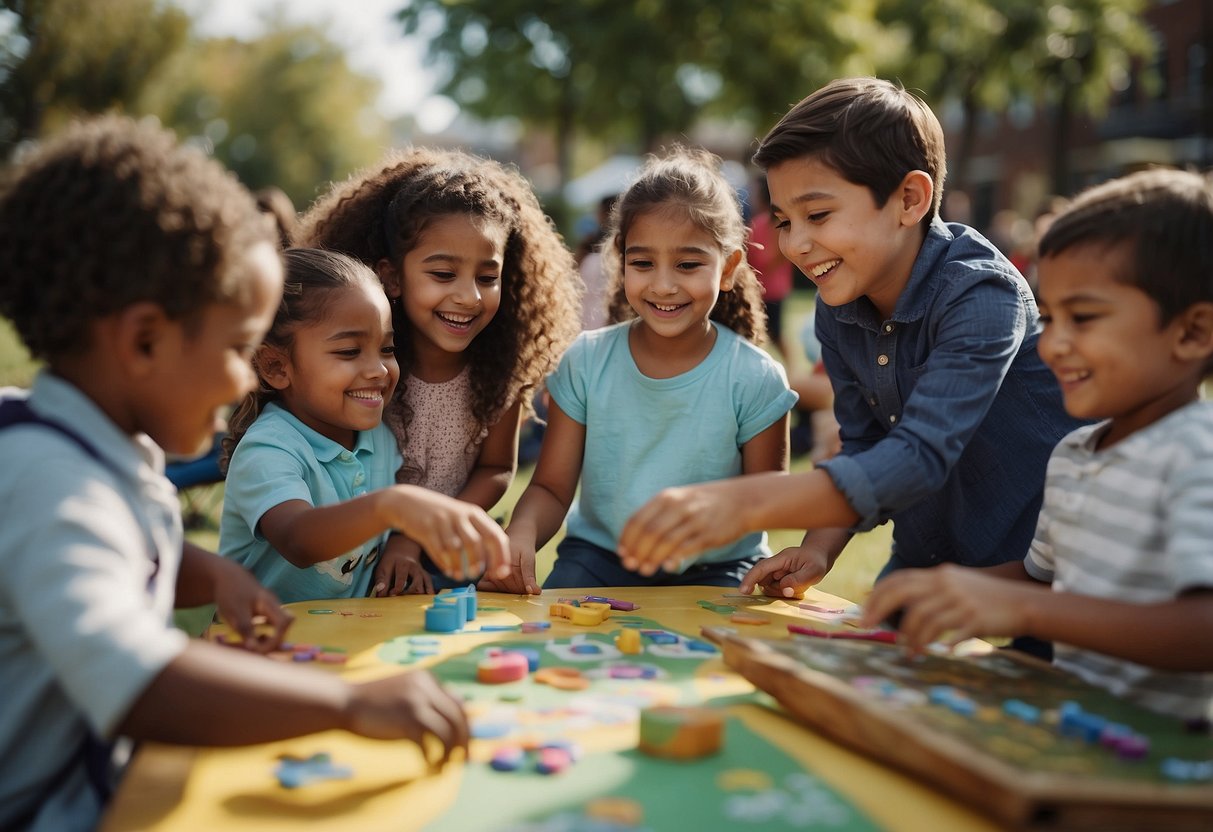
(543, 506)
(263, 700)
(683, 521)
(451, 531)
(964, 602)
(787, 574)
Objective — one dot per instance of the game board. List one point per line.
(750, 784)
(993, 730)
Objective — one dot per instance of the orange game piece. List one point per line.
(562, 678)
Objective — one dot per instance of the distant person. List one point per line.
(484, 299)
(311, 468)
(678, 393)
(143, 276)
(1126, 289)
(929, 335)
(595, 302)
(775, 272)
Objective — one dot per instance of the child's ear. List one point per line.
(730, 268)
(272, 366)
(914, 196)
(389, 276)
(139, 332)
(1196, 333)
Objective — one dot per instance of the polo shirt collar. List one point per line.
(324, 449)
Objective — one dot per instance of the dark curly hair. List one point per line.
(690, 179)
(114, 212)
(381, 212)
(312, 276)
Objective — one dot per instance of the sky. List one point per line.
(374, 43)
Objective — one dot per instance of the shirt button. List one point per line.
(346, 456)
(888, 327)
(872, 402)
(358, 478)
(882, 360)
(893, 418)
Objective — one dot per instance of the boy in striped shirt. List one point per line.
(1125, 536)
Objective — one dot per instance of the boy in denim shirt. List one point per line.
(929, 336)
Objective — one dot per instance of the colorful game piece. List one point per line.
(680, 733)
(581, 616)
(507, 758)
(883, 636)
(748, 619)
(500, 667)
(628, 641)
(536, 626)
(613, 603)
(319, 612)
(443, 617)
(553, 760)
(562, 678)
(616, 811)
(531, 655)
(295, 772)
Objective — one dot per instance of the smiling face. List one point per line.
(1103, 340)
(451, 285)
(340, 371)
(673, 271)
(835, 233)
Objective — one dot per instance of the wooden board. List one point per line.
(875, 699)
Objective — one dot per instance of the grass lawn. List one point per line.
(851, 578)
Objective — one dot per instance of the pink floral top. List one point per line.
(443, 439)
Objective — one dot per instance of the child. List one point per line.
(1127, 299)
(310, 488)
(144, 277)
(677, 395)
(484, 299)
(947, 415)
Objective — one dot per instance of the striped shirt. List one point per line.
(1133, 522)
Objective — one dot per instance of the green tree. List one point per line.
(984, 54)
(635, 74)
(63, 57)
(285, 109)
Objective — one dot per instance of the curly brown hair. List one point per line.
(114, 212)
(690, 179)
(380, 213)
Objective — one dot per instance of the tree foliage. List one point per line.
(284, 109)
(62, 57)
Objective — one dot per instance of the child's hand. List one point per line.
(787, 574)
(247, 607)
(460, 537)
(521, 579)
(961, 602)
(408, 706)
(676, 524)
(399, 571)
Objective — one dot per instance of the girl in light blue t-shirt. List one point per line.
(310, 495)
(677, 394)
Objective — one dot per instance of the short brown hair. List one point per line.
(1162, 221)
(871, 131)
(115, 212)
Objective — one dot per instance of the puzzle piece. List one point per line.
(295, 772)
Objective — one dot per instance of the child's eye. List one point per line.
(689, 265)
(350, 353)
(640, 264)
(489, 279)
(818, 216)
(1084, 319)
(389, 349)
(1045, 319)
(442, 275)
(780, 223)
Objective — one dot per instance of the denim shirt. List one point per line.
(947, 413)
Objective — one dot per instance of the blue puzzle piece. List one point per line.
(294, 772)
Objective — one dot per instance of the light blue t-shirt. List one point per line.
(281, 459)
(645, 434)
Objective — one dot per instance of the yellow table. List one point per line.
(173, 788)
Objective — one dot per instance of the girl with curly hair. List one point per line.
(484, 296)
(679, 392)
